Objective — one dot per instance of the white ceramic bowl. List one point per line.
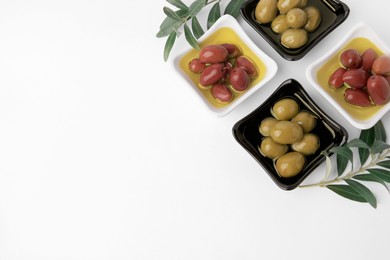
(315, 71)
(213, 36)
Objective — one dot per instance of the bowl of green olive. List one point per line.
(288, 135)
(294, 27)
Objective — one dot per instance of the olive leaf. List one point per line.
(358, 143)
(363, 191)
(379, 146)
(170, 13)
(179, 4)
(384, 164)
(344, 154)
(233, 7)
(380, 132)
(190, 37)
(371, 178)
(381, 174)
(214, 15)
(367, 136)
(196, 28)
(347, 192)
(196, 7)
(169, 44)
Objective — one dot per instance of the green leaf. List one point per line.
(196, 28)
(371, 178)
(380, 132)
(347, 192)
(214, 15)
(168, 26)
(233, 7)
(364, 191)
(342, 163)
(179, 4)
(367, 136)
(381, 174)
(379, 146)
(190, 38)
(358, 143)
(384, 164)
(172, 14)
(169, 44)
(169, 22)
(196, 7)
(344, 154)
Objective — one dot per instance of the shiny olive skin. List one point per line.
(290, 164)
(368, 58)
(266, 125)
(279, 24)
(357, 97)
(313, 18)
(302, 3)
(286, 5)
(233, 50)
(221, 93)
(212, 74)
(239, 79)
(271, 149)
(196, 66)
(213, 54)
(308, 145)
(294, 38)
(286, 132)
(350, 59)
(379, 89)
(356, 78)
(296, 18)
(336, 79)
(266, 11)
(285, 109)
(306, 120)
(381, 65)
(248, 66)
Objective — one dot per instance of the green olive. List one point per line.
(308, 145)
(266, 11)
(266, 125)
(271, 149)
(313, 18)
(286, 132)
(290, 164)
(302, 4)
(279, 24)
(285, 109)
(296, 18)
(286, 5)
(306, 120)
(294, 38)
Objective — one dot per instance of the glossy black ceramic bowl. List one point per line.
(333, 13)
(330, 133)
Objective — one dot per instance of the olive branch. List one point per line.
(374, 156)
(179, 18)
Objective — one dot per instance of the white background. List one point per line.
(105, 154)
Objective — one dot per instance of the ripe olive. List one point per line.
(248, 66)
(212, 74)
(308, 145)
(381, 65)
(379, 89)
(356, 78)
(302, 3)
(239, 79)
(196, 66)
(279, 24)
(296, 18)
(286, 5)
(350, 59)
(285, 109)
(232, 49)
(213, 54)
(266, 11)
(313, 18)
(266, 125)
(336, 79)
(286, 132)
(306, 120)
(368, 58)
(294, 38)
(290, 164)
(271, 149)
(221, 93)
(357, 97)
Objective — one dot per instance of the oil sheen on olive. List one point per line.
(266, 11)
(294, 38)
(212, 74)
(271, 149)
(296, 18)
(221, 93)
(239, 79)
(379, 89)
(313, 18)
(306, 120)
(248, 66)
(290, 164)
(266, 125)
(279, 24)
(286, 132)
(286, 5)
(213, 54)
(285, 109)
(308, 145)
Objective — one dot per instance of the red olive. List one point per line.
(350, 59)
(336, 79)
(212, 74)
(222, 93)
(381, 65)
(196, 66)
(232, 49)
(356, 78)
(357, 97)
(239, 79)
(248, 66)
(379, 89)
(213, 54)
(368, 58)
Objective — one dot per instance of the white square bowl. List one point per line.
(269, 66)
(360, 117)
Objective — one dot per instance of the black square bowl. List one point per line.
(330, 133)
(333, 13)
